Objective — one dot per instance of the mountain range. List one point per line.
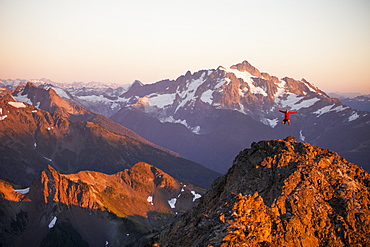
(209, 115)
(126, 166)
(361, 102)
(39, 128)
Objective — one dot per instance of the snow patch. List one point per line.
(172, 202)
(61, 92)
(301, 136)
(196, 195)
(161, 100)
(3, 117)
(195, 130)
(114, 105)
(305, 103)
(290, 100)
(340, 108)
(270, 122)
(329, 108)
(22, 98)
(222, 82)
(102, 99)
(296, 102)
(323, 110)
(207, 97)
(17, 104)
(52, 222)
(150, 199)
(171, 119)
(353, 117)
(50, 160)
(23, 191)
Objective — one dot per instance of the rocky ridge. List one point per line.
(94, 207)
(121, 193)
(280, 193)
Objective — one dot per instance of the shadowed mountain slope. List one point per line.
(72, 139)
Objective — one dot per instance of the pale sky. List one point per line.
(327, 42)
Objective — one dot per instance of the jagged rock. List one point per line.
(92, 207)
(8, 193)
(280, 193)
(125, 193)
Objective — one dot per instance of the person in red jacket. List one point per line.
(287, 116)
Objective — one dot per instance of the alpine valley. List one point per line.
(210, 115)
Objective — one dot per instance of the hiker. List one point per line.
(287, 116)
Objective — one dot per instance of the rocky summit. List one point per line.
(280, 193)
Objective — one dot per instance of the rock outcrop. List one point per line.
(92, 208)
(280, 193)
(132, 192)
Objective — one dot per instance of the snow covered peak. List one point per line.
(242, 88)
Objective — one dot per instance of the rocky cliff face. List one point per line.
(132, 192)
(280, 193)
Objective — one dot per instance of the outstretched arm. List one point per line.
(281, 111)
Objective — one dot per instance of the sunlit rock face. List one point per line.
(280, 193)
(90, 208)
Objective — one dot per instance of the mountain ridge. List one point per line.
(198, 101)
(279, 193)
(92, 206)
(41, 129)
(206, 102)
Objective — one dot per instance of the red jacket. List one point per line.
(287, 113)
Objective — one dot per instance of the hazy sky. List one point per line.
(327, 42)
